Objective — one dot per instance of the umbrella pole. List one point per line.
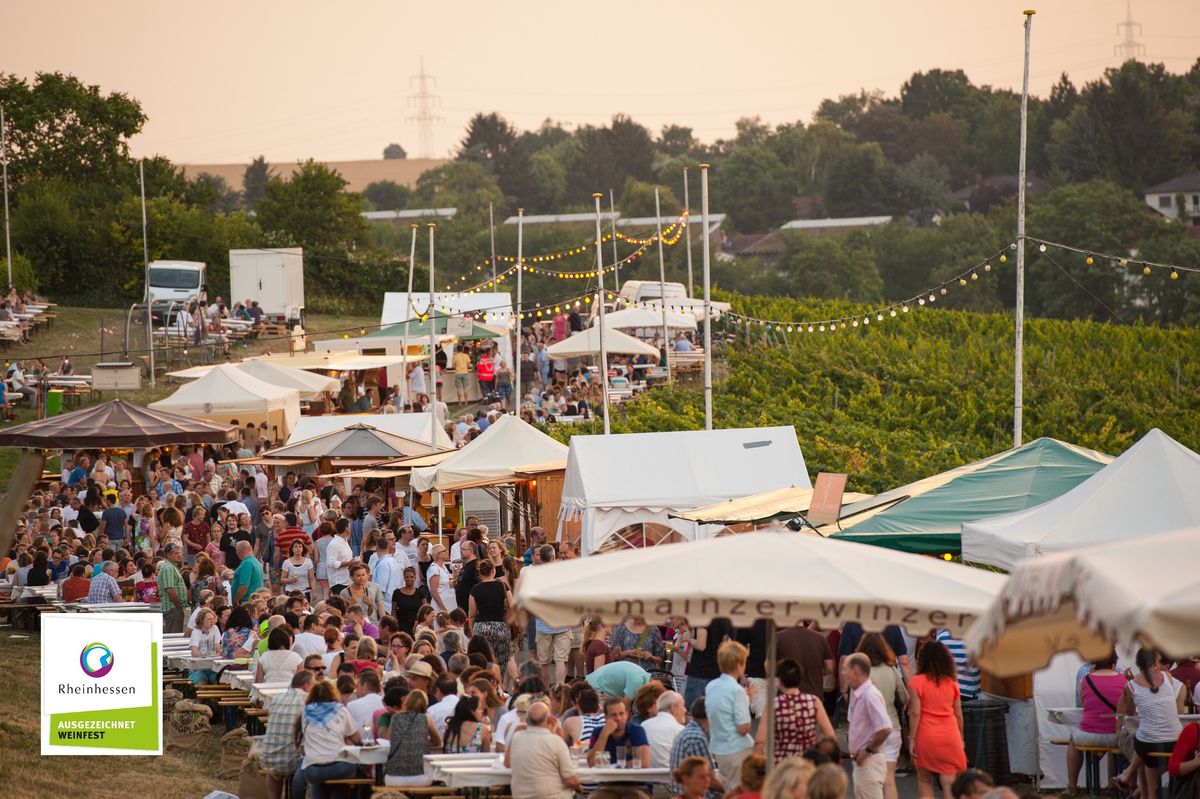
(772, 690)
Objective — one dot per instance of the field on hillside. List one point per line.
(24, 772)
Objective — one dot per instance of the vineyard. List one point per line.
(928, 390)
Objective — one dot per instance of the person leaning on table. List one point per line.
(540, 761)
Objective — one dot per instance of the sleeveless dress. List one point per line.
(795, 725)
(939, 743)
(473, 745)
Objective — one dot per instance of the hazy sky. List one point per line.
(225, 80)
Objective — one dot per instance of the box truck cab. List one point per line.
(175, 281)
(272, 278)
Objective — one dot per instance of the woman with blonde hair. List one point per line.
(694, 776)
(829, 781)
(789, 779)
(308, 512)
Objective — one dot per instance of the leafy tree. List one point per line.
(922, 189)
(550, 176)
(255, 180)
(387, 195)
(829, 268)
(491, 142)
(937, 91)
(58, 126)
(607, 156)
(677, 140)
(212, 193)
(997, 137)
(394, 151)
(752, 189)
(637, 199)
(463, 185)
(859, 183)
(751, 132)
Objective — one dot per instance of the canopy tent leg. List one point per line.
(772, 690)
(20, 486)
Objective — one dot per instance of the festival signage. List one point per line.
(101, 684)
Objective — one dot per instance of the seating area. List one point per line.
(21, 326)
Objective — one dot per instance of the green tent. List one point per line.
(925, 517)
(419, 330)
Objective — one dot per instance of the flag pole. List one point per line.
(1018, 354)
(662, 282)
(708, 388)
(687, 232)
(518, 397)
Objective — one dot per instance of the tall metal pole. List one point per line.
(708, 395)
(612, 206)
(492, 230)
(433, 353)
(4, 160)
(662, 283)
(146, 263)
(520, 398)
(687, 232)
(600, 299)
(1018, 356)
(408, 312)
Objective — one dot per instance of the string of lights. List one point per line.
(1091, 258)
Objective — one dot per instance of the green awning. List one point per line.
(929, 521)
(418, 330)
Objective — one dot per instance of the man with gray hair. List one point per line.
(869, 728)
(248, 577)
(104, 587)
(662, 728)
(540, 761)
(172, 591)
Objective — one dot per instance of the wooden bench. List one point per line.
(360, 786)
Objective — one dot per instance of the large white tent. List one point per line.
(309, 384)
(508, 443)
(616, 481)
(227, 393)
(587, 343)
(410, 425)
(639, 316)
(1150, 488)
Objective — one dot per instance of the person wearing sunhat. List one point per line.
(420, 676)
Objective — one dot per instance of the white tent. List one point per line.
(310, 385)
(492, 307)
(508, 443)
(410, 425)
(587, 343)
(1151, 488)
(227, 393)
(638, 316)
(616, 481)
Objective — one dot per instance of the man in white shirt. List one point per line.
(339, 557)
(312, 640)
(387, 571)
(662, 728)
(369, 698)
(260, 482)
(446, 691)
(541, 764)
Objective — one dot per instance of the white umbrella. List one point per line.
(782, 577)
(1145, 589)
(785, 577)
(587, 342)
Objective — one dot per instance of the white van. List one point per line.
(641, 290)
(175, 281)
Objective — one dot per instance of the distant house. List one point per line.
(1178, 196)
(769, 246)
(984, 192)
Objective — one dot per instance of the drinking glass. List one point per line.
(620, 760)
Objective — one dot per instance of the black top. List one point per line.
(405, 607)
(755, 639)
(704, 661)
(38, 576)
(489, 601)
(87, 519)
(468, 576)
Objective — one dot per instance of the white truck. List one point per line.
(272, 278)
(175, 281)
(651, 292)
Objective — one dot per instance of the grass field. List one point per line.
(92, 335)
(25, 773)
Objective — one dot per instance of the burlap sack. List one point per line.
(235, 745)
(169, 697)
(251, 784)
(190, 726)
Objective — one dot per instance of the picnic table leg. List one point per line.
(1091, 766)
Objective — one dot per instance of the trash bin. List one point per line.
(54, 402)
(986, 732)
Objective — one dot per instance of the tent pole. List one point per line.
(600, 299)
(518, 398)
(662, 282)
(772, 690)
(433, 357)
(412, 267)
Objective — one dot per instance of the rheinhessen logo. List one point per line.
(96, 659)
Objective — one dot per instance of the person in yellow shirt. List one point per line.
(462, 373)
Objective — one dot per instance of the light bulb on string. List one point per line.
(855, 323)
(905, 309)
(879, 317)
(962, 281)
(974, 275)
(921, 301)
(810, 328)
(1089, 260)
(1174, 275)
(1042, 247)
(987, 267)
(1145, 270)
(866, 320)
(1003, 259)
(822, 328)
(943, 291)
(893, 312)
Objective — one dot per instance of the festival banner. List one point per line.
(102, 684)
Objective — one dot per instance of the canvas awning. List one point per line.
(116, 424)
(226, 393)
(587, 343)
(926, 516)
(1151, 488)
(1143, 589)
(641, 316)
(508, 442)
(782, 503)
(417, 426)
(367, 444)
(309, 384)
(442, 326)
(335, 361)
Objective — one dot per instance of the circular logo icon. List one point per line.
(207, 407)
(96, 660)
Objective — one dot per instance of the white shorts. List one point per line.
(891, 747)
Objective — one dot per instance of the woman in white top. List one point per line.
(298, 572)
(206, 643)
(279, 663)
(441, 585)
(1157, 699)
(308, 511)
(325, 728)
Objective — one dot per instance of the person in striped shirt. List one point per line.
(968, 675)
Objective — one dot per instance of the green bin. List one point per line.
(54, 402)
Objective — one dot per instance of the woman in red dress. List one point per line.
(935, 720)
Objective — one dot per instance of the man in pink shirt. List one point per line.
(869, 728)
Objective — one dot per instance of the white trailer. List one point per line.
(274, 278)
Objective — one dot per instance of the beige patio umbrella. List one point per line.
(782, 577)
(1138, 590)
